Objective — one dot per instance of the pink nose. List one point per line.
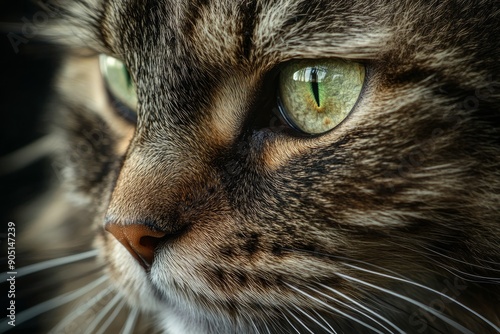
(140, 240)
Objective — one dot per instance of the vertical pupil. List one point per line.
(315, 85)
(127, 77)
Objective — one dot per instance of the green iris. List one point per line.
(119, 81)
(316, 95)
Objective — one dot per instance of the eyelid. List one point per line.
(121, 108)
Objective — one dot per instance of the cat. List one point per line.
(283, 166)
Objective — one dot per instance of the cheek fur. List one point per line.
(387, 223)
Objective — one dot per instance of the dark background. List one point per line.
(25, 88)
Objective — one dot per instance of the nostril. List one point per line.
(140, 240)
(149, 242)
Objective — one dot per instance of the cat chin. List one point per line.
(174, 326)
(148, 289)
(193, 321)
(172, 323)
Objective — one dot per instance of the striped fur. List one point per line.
(396, 210)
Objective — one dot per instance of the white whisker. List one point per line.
(402, 278)
(428, 289)
(463, 275)
(80, 310)
(490, 262)
(334, 309)
(367, 309)
(255, 327)
(28, 154)
(111, 318)
(36, 267)
(352, 308)
(412, 301)
(326, 322)
(314, 320)
(453, 270)
(458, 260)
(288, 320)
(345, 259)
(300, 322)
(102, 314)
(53, 303)
(274, 324)
(130, 324)
(267, 329)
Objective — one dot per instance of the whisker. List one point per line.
(428, 289)
(491, 262)
(80, 310)
(335, 310)
(45, 285)
(288, 320)
(450, 269)
(131, 319)
(102, 314)
(352, 308)
(314, 320)
(36, 267)
(28, 154)
(300, 322)
(458, 260)
(112, 317)
(411, 301)
(344, 259)
(401, 278)
(53, 303)
(385, 303)
(367, 309)
(275, 324)
(463, 275)
(326, 322)
(255, 327)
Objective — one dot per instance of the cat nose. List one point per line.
(140, 240)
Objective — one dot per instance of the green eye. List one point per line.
(316, 95)
(118, 81)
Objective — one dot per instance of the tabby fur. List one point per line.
(388, 223)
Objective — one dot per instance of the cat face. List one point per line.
(229, 214)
